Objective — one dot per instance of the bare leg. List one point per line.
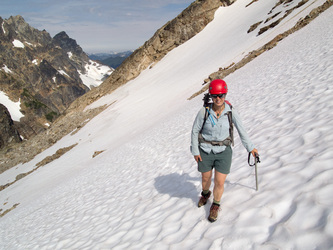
(206, 180)
(219, 185)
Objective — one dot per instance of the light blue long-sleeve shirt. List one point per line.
(217, 129)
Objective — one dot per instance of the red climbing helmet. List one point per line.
(218, 86)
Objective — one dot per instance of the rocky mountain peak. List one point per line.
(15, 27)
(62, 36)
(73, 50)
(44, 73)
(66, 43)
(19, 25)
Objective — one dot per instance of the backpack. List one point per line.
(230, 139)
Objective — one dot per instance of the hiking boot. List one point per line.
(204, 198)
(214, 210)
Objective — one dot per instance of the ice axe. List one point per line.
(256, 160)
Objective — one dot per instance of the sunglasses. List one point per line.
(219, 95)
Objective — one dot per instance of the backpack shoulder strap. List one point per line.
(205, 118)
(231, 126)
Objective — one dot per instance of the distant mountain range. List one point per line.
(113, 59)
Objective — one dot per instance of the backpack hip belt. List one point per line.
(225, 142)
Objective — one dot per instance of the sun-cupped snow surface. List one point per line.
(142, 191)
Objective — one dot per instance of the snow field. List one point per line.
(144, 194)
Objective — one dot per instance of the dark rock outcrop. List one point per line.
(8, 132)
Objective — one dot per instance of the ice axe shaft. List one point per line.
(256, 161)
(256, 172)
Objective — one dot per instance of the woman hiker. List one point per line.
(211, 141)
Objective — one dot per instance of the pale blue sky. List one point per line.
(97, 25)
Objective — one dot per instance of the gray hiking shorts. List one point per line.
(221, 161)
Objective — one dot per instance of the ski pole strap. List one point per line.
(257, 159)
